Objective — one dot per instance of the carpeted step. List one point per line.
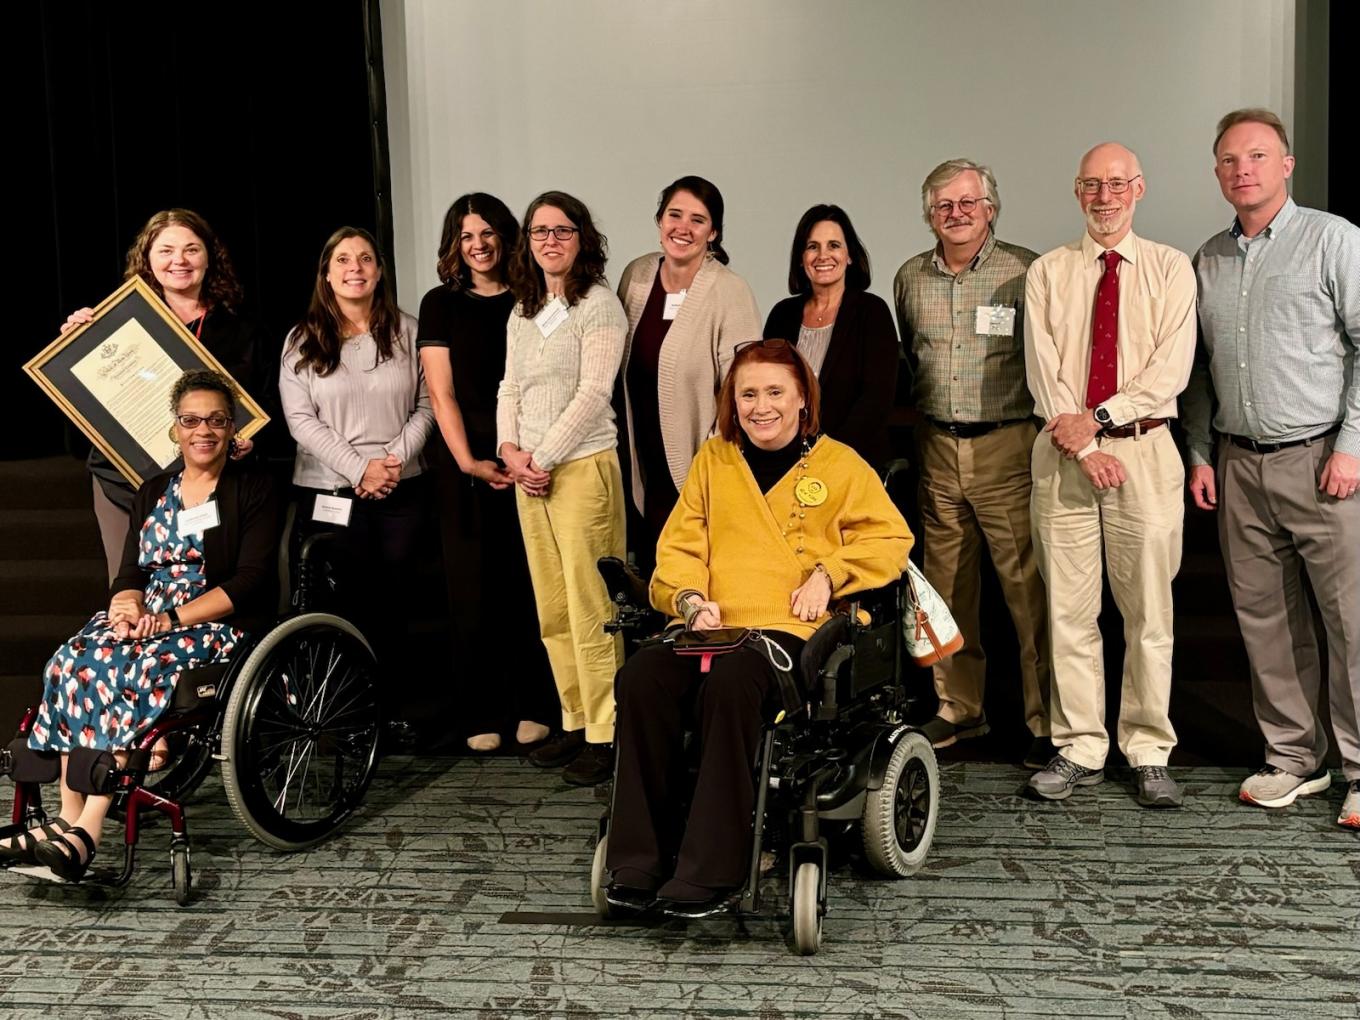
(66, 586)
(42, 534)
(53, 483)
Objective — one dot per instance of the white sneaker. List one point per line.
(1275, 788)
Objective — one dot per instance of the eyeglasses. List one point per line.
(561, 233)
(1117, 185)
(963, 205)
(192, 421)
(774, 344)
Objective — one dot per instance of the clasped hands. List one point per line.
(521, 469)
(129, 617)
(1072, 433)
(808, 602)
(380, 478)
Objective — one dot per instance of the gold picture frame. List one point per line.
(112, 377)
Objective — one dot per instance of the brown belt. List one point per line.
(1134, 428)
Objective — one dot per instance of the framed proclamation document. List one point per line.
(113, 377)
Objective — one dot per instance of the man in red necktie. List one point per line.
(1109, 340)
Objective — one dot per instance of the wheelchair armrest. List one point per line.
(626, 587)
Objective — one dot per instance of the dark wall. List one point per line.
(1342, 196)
(257, 115)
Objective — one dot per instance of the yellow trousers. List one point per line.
(565, 532)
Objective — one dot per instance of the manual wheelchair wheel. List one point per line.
(300, 732)
(899, 817)
(806, 910)
(191, 749)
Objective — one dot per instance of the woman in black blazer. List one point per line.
(846, 333)
(198, 568)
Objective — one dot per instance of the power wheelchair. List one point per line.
(293, 718)
(841, 761)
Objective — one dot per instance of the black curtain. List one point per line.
(1342, 197)
(266, 118)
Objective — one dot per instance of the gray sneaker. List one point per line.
(1060, 777)
(941, 732)
(1156, 788)
(1350, 807)
(1275, 788)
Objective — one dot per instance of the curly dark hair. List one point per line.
(451, 267)
(220, 285)
(203, 379)
(857, 274)
(526, 278)
(319, 337)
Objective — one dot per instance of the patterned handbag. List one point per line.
(931, 633)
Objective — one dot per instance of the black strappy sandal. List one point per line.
(61, 856)
(23, 848)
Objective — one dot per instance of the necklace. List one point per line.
(807, 491)
(820, 318)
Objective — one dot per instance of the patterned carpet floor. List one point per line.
(462, 891)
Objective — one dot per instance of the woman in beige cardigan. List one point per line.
(686, 312)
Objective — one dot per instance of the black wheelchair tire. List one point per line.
(899, 817)
(181, 875)
(262, 697)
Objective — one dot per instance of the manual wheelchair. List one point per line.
(293, 718)
(843, 761)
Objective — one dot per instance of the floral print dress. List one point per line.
(103, 692)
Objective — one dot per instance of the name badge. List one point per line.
(995, 320)
(333, 510)
(554, 313)
(672, 305)
(199, 519)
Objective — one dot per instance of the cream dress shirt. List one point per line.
(1156, 338)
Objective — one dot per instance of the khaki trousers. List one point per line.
(1138, 527)
(1273, 525)
(565, 532)
(975, 491)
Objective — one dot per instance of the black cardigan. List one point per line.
(859, 376)
(239, 555)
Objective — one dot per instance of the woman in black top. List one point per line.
(504, 673)
(846, 333)
(181, 258)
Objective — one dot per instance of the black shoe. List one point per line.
(678, 898)
(1040, 753)
(631, 890)
(560, 750)
(593, 766)
(943, 733)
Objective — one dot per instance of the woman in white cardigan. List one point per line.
(686, 313)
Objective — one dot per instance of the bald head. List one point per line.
(1108, 186)
(1110, 159)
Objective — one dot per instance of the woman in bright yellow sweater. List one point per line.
(773, 522)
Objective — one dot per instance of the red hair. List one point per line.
(770, 352)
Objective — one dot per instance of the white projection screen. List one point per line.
(786, 103)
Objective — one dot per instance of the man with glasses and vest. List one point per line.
(961, 311)
(1109, 340)
(1279, 309)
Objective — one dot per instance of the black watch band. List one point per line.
(173, 614)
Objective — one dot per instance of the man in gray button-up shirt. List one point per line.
(1279, 310)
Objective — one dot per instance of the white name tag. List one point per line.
(553, 315)
(333, 510)
(197, 520)
(995, 320)
(672, 305)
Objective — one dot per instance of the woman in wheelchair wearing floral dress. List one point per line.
(199, 557)
(773, 522)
